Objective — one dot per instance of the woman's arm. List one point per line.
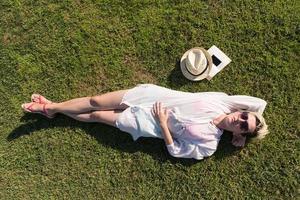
(239, 102)
(162, 115)
(166, 134)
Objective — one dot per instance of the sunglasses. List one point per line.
(244, 125)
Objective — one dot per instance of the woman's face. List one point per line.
(240, 122)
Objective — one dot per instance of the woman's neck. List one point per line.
(218, 121)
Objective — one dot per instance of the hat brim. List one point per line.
(190, 76)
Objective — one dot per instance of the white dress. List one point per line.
(190, 117)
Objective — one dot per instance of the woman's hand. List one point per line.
(160, 113)
(238, 140)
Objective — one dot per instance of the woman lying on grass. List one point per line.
(191, 124)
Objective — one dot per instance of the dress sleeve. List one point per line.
(185, 149)
(249, 103)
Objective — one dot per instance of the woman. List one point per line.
(191, 124)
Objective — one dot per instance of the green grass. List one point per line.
(66, 49)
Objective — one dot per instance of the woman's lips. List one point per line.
(232, 120)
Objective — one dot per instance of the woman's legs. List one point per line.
(108, 101)
(103, 108)
(108, 117)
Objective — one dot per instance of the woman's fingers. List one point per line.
(159, 112)
(154, 109)
(157, 109)
(238, 140)
(235, 141)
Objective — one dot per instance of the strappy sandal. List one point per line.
(43, 112)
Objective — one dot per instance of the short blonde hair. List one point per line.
(261, 129)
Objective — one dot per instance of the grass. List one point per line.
(66, 49)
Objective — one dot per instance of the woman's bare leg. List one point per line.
(108, 117)
(108, 101)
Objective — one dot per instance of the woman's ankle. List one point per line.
(51, 108)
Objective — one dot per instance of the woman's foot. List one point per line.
(39, 99)
(34, 107)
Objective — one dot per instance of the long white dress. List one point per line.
(190, 117)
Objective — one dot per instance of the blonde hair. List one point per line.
(261, 127)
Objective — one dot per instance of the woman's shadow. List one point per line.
(113, 137)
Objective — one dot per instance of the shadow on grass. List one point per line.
(113, 137)
(176, 78)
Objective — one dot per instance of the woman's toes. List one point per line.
(31, 107)
(27, 106)
(39, 99)
(35, 98)
(23, 105)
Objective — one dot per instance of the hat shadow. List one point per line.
(108, 136)
(176, 78)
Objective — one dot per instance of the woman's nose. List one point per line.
(242, 120)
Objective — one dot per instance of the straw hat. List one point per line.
(196, 63)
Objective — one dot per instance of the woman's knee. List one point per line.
(96, 101)
(107, 117)
(108, 101)
(96, 116)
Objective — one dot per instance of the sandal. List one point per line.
(43, 112)
(40, 99)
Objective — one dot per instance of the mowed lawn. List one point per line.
(66, 49)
